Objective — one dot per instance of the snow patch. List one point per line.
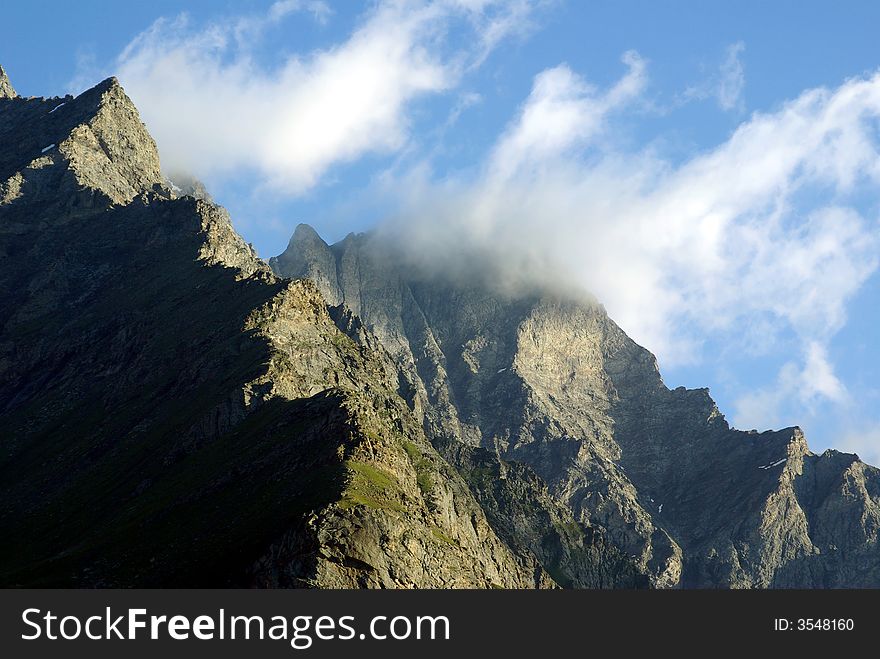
(501, 370)
(775, 464)
(46, 148)
(660, 508)
(56, 107)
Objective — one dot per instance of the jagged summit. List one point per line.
(6, 88)
(309, 254)
(95, 141)
(304, 232)
(305, 237)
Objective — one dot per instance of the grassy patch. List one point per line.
(412, 451)
(342, 341)
(371, 487)
(442, 537)
(425, 481)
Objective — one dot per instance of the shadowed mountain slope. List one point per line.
(175, 414)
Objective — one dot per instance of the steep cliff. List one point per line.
(548, 380)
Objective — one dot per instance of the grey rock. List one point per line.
(6, 88)
(545, 379)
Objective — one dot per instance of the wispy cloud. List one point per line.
(727, 85)
(732, 79)
(496, 22)
(807, 385)
(215, 110)
(320, 10)
(562, 113)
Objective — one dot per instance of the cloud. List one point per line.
(561, 113)
(746, 245)
(756, 239)
(732, 79)
(818, 379)
(498, 22)
(216, 111)
(321, 11)
(727, 85)
(465, 101)
(808, 384)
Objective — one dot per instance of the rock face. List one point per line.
(6, 89)
(548, 384)
(175, 414)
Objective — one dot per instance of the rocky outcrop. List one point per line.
(175, 414)
(547, 380)
(6, 89)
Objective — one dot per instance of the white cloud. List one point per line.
(818, 379)
(760, 232)
(727, 85)
(214, 110)
(732, 79)
(561, 113)
(246, 29)
(279, 10)
(806, 385)
(465, 101)
(497, 22)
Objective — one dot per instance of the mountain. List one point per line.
(546, 380)
(175, 414)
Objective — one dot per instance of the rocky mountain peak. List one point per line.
(309, 256)
(6, 88)
(549, 381)
(94, 142)
(304, 233)
(111, 148)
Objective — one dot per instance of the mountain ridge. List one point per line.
(176, 413)
(550, 381)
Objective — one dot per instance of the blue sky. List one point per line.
(709, 169)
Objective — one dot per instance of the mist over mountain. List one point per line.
(177, 412)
